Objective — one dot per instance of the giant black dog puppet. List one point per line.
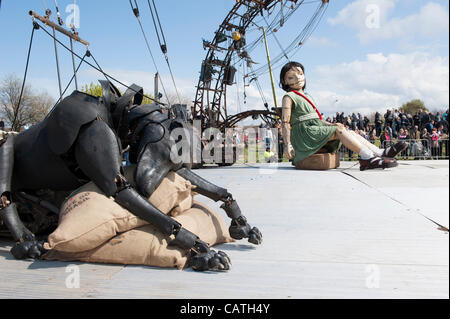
(81, 141)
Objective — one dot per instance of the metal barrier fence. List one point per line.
(423, 149)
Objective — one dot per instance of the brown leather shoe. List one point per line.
(393, 151)
(377, 162)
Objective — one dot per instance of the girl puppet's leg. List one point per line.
(377, 151)
(369, 160)
(391, 151)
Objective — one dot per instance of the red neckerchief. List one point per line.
(303, 96)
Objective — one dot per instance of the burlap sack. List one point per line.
(147, 246)
(89, 218)
(319, 162)
(174, 195)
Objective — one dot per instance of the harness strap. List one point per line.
(110, 93)
(309, 101)
(307, 117)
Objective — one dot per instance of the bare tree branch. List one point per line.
(33, 108)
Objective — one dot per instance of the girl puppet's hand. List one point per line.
(289, 151)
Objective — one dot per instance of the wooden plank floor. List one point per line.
(335, 234)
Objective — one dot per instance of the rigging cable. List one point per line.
(261, 92)
(271, 28)
(87, 54)
(297, 42)
(245, 85)
(278, 42)
(60, 21)
(35, 27)
(67, 87)
(317, 24)
(136, 13)
(48, 13)
(97, 68)
(237, 94)
(164, 44)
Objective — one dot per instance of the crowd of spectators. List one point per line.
(426, 130)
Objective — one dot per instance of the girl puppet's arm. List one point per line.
(286, 127)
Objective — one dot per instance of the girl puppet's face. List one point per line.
(295, 78)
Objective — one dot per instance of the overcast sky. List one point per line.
(365, 55)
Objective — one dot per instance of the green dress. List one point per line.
(308, 136)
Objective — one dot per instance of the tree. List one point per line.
(96, 90)
(413, 107)
(93, 89)
(173, 98)
(32, 109)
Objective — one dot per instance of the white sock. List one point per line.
(366, 153)
(376, 150)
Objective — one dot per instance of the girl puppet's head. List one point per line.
(292, 77)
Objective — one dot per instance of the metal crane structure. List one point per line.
(218, 70)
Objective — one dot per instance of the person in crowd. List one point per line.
(430, 126)
(388, 119)
(373, 136)
(415, 133)
(338, 118)
(415, 141)
(366, 122)
(405, 122)
(2, 124)
(438, 117)
(424, 119)
(403, 136)
(268, 136)
(364, 134)
(425, 137)
(270, 156)
(397, 126)
(432, 116)
(396, 114)
(434, 137)
(354, 121)
(416, 119)
(443, 142)
(386, 137)
(378, 123)
(342, 118)
(424, 134)
(445, 121)
(280, 143)
(411, 121)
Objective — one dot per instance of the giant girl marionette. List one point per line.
(305, 132)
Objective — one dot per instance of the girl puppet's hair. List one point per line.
(285, 70)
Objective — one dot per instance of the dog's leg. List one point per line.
(239, 228)
(27, 246)
(98, 155)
